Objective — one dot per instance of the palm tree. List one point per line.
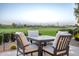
(76, 11)
(76, 30)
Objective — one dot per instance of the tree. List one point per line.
(13, 24)
(76, 11)
(25, 25)
(0, 24)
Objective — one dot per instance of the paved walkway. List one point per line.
(74, 51)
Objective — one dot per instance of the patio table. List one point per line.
(40, 39)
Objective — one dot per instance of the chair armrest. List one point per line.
(26, 45)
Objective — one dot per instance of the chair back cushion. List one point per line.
(33, 33)
(58, 35)
(23, 38)
(63, 42)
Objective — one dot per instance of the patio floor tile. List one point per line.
(74, 51)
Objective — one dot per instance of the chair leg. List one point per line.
(23, 54)
(68, 54)
(31, 41)
(31, 54)
(17, 52)
(68, 51)
(44, 52)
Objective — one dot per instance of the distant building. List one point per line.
(77, 13)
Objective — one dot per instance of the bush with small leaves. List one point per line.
(0, 38)
(13, 47)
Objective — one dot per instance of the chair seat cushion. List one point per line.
(50, 50)
(31, 47)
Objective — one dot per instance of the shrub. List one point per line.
(40, 33)
(26, 34)
(76, 34)
(6, 37)
(13, 37)
(76, 31)
(69, 30)
(13, 47)
(0, 38)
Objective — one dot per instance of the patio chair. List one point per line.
(58, 33)
(33, 33)
(60, 46)
(23, 45)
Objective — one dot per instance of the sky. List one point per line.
(37, 13)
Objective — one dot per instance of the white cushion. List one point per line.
(23, 38)
(58, 35)
(50, 49)
(33, 33)
(31, 47)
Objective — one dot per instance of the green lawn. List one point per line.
(48, 31)
(43, 31)
(9, 30)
